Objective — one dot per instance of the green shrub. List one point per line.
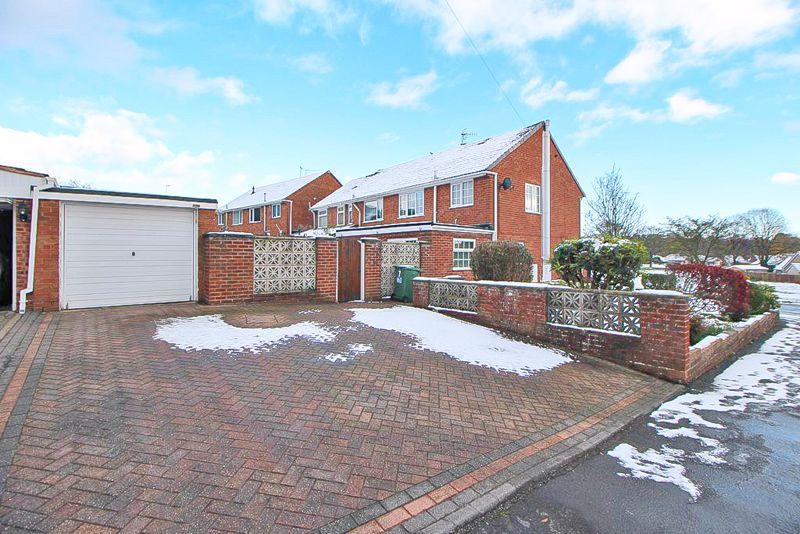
(698, 330)
(599, 264)
(762, 298)
(507, 261)
(659, 281)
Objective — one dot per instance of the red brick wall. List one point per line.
(46, 273)
(372, 269)
(327, 268)
(308, 195)
(246, 226)
(662, 349)
(228, 265)
(206, 222)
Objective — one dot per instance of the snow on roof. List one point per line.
(787, 261)
(267, 194)
(459, 161)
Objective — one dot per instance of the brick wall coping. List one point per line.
(553, 287)
(229, 234)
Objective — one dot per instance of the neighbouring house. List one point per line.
(515, 186)
(282, 208)
(789, 265)
(66, 248)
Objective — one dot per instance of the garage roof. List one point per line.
(81, 191)
(268, 194)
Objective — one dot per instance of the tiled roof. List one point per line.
(268, 194)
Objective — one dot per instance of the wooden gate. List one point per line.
(349, 269)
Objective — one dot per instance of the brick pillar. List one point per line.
(372, 268)
(327, 268)
(664, 347)
(228, 268)
(420, 293)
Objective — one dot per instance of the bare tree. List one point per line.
(654, 239)
(77, 184)
(737, 243)
(762, 227)
(697, 238)
(614, 211)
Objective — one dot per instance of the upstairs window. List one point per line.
(533, 198)
(276, 211)
(373, 210)
(461, 194)
(462, 254)
(237, 217)
(220, 218)
(255, 215)
(339, 215)
(412, 204)
(322, 219)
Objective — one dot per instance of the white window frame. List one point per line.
(238, 214)
(378, 209)
(340, 215)
(220, 218)
(251, 213)
(403, 204)
(322, 214)
(457, 194)
(456, 249)
(533, 198)
(272, 211)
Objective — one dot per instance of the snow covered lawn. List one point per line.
(461, 340)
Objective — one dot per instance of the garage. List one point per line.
(122, 254)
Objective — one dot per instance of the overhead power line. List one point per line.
(485, 63)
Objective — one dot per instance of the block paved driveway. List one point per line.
(105, 427)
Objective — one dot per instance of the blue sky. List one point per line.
(698, 103)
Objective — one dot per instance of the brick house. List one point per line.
(278, 209)
(66, 248)
(515, 186)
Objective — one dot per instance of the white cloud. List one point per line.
(188, 81)
(409, 92)
(643, 64)
(729, 77)
(684, 107)
(313, 63)
(328, 14)
(785, 178)
(388, 137)
(536, 94)
(119, 150)
(788, 61)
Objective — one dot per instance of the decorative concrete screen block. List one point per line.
(392, 255)
(284, 265)
(598, 310)
(453, 296)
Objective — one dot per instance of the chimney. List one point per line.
(253, 192)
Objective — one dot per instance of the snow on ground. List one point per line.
(463, 341)
(353, 350)
(309, 312)
(766, 377)
(789, 293)
(210, 332)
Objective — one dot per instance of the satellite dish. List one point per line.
(506, 183)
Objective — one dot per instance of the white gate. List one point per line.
(393, 254)
(284, 265)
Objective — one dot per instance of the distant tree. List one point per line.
(655, 240)
(697, 238)
(763, 226)
(737, 244)
(77, 184)
(614, 211)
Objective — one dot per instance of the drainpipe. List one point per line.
(546, 201)
(23, 295)
(496, 193)
(291, 204)
(435, 189)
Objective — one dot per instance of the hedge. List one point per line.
(599, 264)
(507, 261)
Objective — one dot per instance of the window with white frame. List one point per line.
(462, 253)
(322, 219)
(221, 218)
(461, 194)
(373, 210)
(339, 215)
(275, 210)
(237, 217)
(412, 204)
(533, 198)
(255, 215)
(349, 214)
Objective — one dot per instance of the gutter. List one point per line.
(23, 295)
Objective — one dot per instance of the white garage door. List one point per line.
(117, 254)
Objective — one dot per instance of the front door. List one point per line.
(349, 269)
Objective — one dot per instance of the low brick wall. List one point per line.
(227, 268)
(774, 277)
(711, 352)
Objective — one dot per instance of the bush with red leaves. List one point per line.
(716, 290)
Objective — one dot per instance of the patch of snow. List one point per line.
(788, 293)
(308, 312)
(461, 340)
(211, 332)
(661, 466)
(353, 350)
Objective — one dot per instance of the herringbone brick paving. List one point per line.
(124, 432)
